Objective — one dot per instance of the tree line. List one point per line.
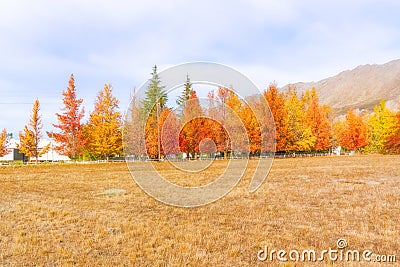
(99, 138)
(225, 124)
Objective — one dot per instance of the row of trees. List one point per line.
(222, 123)
(376, 132)
(99, 137)
(303, 124)
(219, 125)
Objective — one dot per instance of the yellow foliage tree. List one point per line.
(30, 139)
(301, 137)
(104, 129)
(381, 124)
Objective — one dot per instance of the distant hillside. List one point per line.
(360, 88)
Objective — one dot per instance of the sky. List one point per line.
(118, 42)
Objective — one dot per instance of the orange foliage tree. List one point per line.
(252, 128)
(317, 119)
(216, 125)
(193, 127)
(104, 129)
(276, 102)
(354, 132)
(153, 146)
(30, 139)
(70, 141)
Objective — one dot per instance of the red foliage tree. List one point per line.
(70, 139)
(169, 127)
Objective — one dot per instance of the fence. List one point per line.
(131, 159)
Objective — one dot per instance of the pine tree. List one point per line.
(70, 140)
(4, 143)
(30, 139)
(104, 127)
(187, 92)
(155, 95)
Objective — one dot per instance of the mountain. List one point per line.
(362, 87)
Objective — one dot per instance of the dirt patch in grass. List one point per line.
(55, 216)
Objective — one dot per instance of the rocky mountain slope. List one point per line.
(361, 88)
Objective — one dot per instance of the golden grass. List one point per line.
(57, 215)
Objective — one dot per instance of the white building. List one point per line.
(51, 154)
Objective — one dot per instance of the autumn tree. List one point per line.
(393, 141)
(381, 124)
(222, 120)
(162, 133)
(193, 127)
(152, 141)
(4, 143)
(276, 102)
(317, 119)
(215, 124)
(252, 128)
(354, 132)
(134, 124)
(233, 123)
(30, 139)
(153, 105)
(339, 127)
(169, 127)
(104, 126)
(70, 140)
(301, 137)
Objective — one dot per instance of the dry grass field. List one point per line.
(56, 215)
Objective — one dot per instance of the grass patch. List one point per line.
(112, 192)
(53, 215)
